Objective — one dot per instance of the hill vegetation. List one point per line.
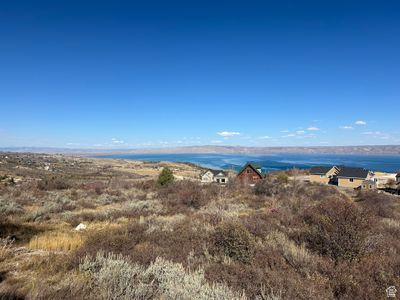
(282, 239)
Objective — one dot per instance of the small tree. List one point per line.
(166, 177)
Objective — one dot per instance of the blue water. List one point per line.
(272, 162)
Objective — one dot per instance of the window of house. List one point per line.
(351, 179)
(223, 180)
(248, 171)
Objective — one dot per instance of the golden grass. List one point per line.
(57, 241)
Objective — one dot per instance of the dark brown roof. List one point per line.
(398, 174)
(320, 170)
(255, 167)
(350, 172)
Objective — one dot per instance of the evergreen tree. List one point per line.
(166, 177)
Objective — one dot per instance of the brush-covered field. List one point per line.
(282, 239)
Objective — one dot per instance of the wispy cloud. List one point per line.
(347, 127)
(360, 122)
(216, 142)
(300, 132)
(265, 137)
(313, 129)
(116, 141)
(284, 131)
(228, 133)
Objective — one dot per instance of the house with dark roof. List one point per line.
(217, 176)
(398, 178)
(250, 173)
(324, 174)
(352, 177)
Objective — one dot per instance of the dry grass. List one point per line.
(5, 248)
(57, 241)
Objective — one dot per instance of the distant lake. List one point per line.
(273, 162)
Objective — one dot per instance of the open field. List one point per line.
(282, 239)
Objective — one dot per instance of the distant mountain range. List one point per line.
(381, 149)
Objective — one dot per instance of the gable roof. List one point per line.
(216, 172)
(253, 166)
(353, 172)
(320, 170)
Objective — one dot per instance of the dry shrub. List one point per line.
(18, 232)
(233, 240)
(338, 228)
(365, 279)
(260, 224)
(380, 204)
(53, 183)
(184, 237)
(114, 277)
(269, 186)
(57, 241)
(297, 256)
(70, 286)
(185, 194)
(120, 240)
(10, 207)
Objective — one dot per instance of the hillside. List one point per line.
(282, 239)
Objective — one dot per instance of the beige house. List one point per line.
(324, 174)
(398, 178)
(352, 177)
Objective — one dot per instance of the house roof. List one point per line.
(216, 172)
(252, 165)
(320, 170)
(398, 174)
(353, 172)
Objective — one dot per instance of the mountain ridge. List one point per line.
(365, 149)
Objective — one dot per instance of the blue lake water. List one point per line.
(272, 162)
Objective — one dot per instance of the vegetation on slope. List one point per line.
(282, 239)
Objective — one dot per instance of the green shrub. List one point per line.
(233, 240)
(166, 177)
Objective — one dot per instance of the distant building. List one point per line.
(217, 176)
(368, 185)
(324, 174)
(381, 179)
(352, 177)
(250, 173)
(398, 178)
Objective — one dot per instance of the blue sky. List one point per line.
(127, 74)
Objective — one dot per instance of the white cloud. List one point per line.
(265, 137)
(116, 141)
(360, 122)
(372, 133)
(289, 135)
(312, 128)
(347, 127)
(216, 142)
(284, 131)
(228, 133)
(300, 132)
